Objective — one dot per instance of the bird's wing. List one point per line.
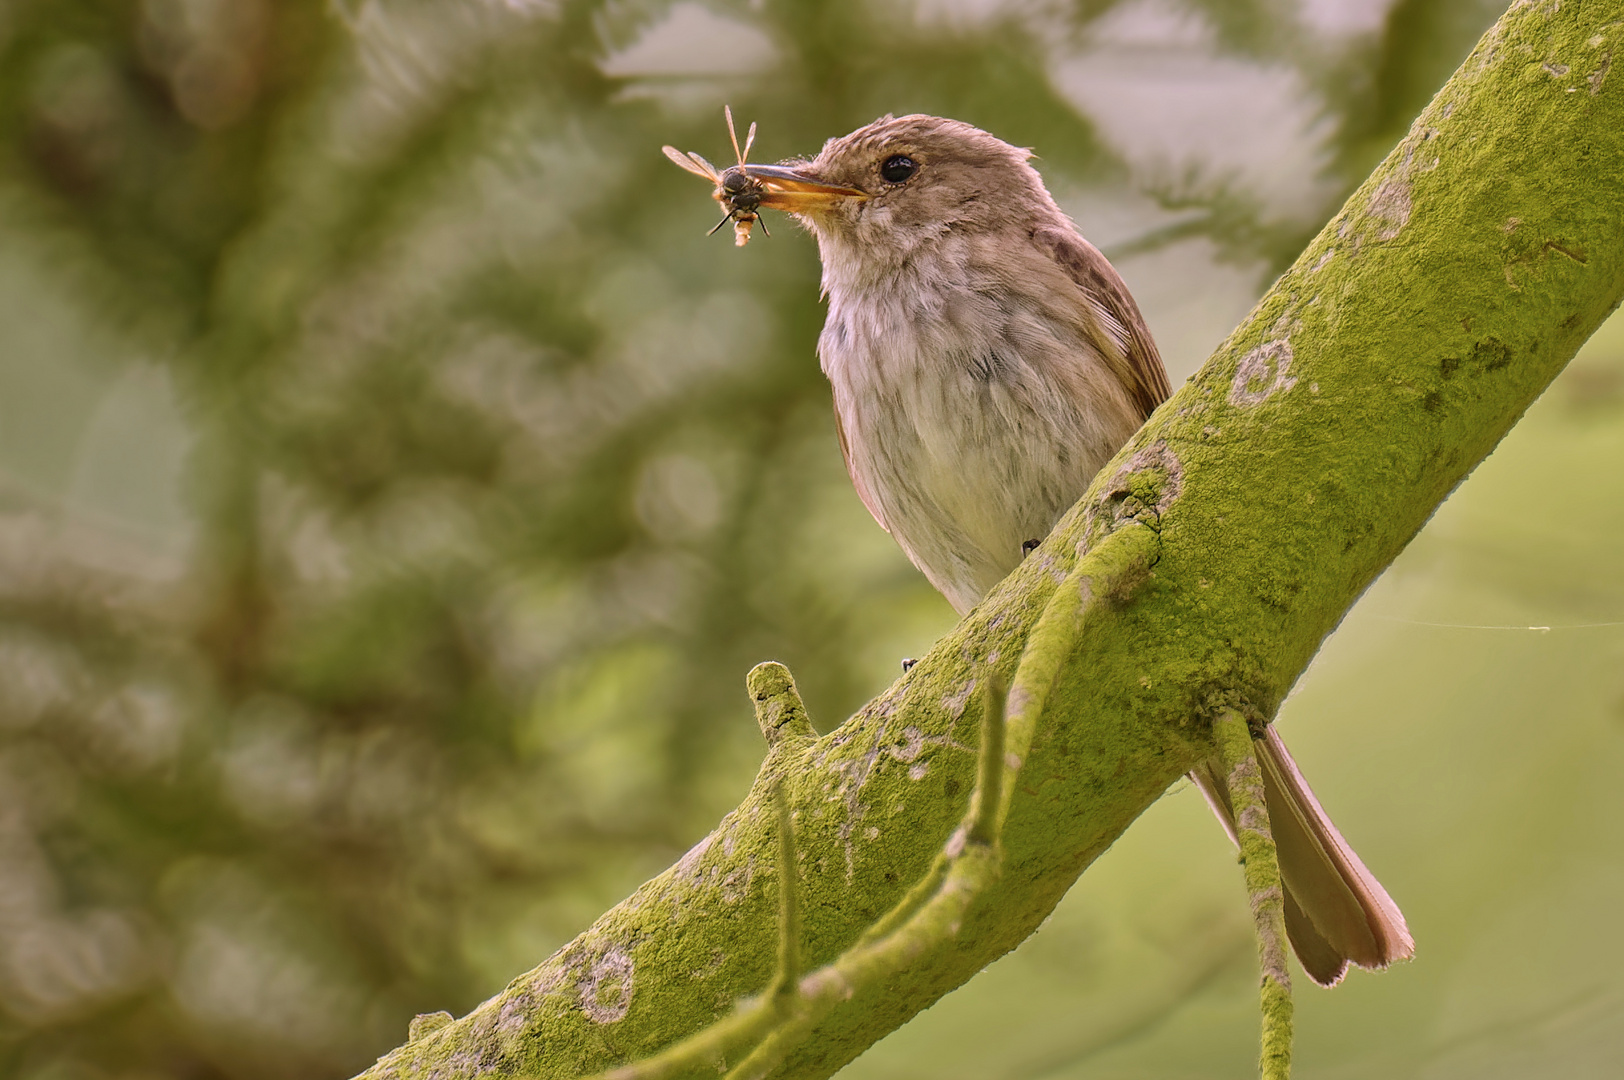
(856, 478)
(1126, 341)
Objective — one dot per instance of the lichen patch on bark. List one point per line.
(1391, 206)
(1262, 373)
(604, 987)
(1594, 79)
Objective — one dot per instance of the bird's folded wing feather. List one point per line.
(1125, 339)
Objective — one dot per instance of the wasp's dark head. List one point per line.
(739, 191)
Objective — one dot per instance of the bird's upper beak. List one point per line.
(797, 190)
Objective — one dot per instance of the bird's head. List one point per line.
(902, 183)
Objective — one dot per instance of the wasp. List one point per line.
(739, 193)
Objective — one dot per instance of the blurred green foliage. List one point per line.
(395, 485)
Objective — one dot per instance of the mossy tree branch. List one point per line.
(1264, 889)
(1262, 500)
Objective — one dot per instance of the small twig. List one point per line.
(982, 823)
(780, 713)
(1110, 568)
(990, 764)
(916, 896)
(788, 971)
(1264, 887)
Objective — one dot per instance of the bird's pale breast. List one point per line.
(974, 412)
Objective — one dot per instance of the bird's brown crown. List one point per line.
(922, 175)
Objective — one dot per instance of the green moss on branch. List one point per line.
(1265, 889)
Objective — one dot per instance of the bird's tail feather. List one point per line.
(1336, 910)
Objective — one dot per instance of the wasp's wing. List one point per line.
(727, 111)
(692, 162)
(732, 133)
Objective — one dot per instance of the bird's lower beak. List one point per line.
(798, 192)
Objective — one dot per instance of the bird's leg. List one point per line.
(1264, 886)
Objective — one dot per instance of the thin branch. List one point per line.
(990, 764)
(788, 971)
(1264, 888)
(1112, 568)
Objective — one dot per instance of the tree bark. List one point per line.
(1377, 372)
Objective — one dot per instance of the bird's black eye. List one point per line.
(897, 168)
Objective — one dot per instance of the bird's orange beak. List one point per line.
(796, 191)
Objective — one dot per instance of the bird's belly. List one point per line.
(963, 468)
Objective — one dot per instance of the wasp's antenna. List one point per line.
(749, 141)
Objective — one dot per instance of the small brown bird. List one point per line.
(986, 361)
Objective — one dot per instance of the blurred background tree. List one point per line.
(395, 486)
